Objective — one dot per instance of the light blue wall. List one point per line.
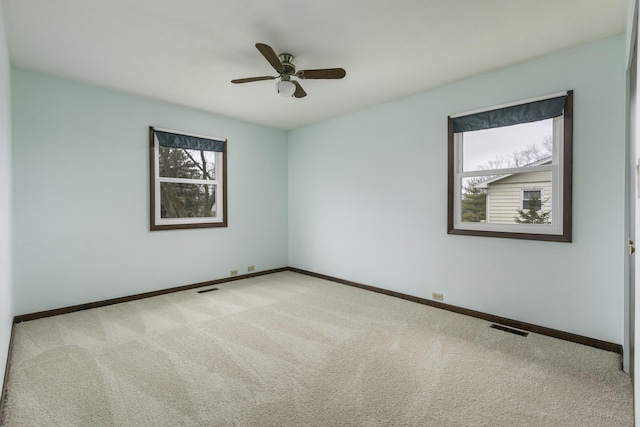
(6, 298)
(368, 200)
(80, 169)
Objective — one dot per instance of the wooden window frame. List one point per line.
(157, 223)
(566, 171)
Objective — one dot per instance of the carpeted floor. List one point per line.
(290, 350)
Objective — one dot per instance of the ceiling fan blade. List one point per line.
(325, 73)
(253, 79)
(270, 56)
(299, 93)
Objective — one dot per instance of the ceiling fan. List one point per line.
(283, 64)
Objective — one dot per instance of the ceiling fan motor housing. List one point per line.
(287, 63)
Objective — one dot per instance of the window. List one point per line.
(188, 180)
(531, 200)
(510, 170)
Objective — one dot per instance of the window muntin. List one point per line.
(188, 180)
(486, 177)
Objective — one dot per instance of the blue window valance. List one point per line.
(175, 140)
(512, 115)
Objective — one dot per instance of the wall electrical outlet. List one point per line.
(233, 272)
(436, 296)
(251, 268)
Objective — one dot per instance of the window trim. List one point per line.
(156, 223)
(522, 199)
(564, 181)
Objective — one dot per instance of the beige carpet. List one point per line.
(291, 350)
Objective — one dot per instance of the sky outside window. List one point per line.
(482, 146)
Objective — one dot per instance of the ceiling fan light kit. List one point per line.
(285, 88)
(283, 64)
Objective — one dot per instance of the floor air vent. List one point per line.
(207, 290)
(512, 331)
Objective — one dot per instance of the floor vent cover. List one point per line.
(207, 290)
(513, 331)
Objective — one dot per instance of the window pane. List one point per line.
(505, 199)
(532, 199)
(532, 204)
(474, 200)
(507, 147)
(184, 163)
(187, 200)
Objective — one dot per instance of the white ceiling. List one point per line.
(187, 51)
